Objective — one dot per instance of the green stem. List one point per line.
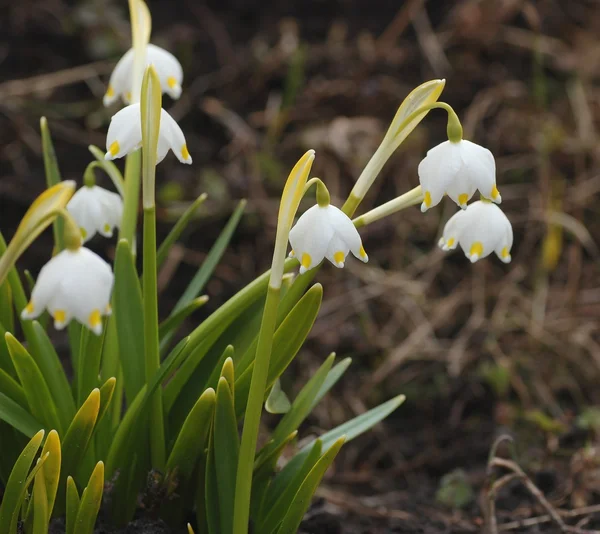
(256, 397)
(131, 199)
(410, 198)
(152, 363)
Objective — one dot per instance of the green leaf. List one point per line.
(39, 503)
(106, 395)
(16, 485)
(72, 505)
(12, 389)
(52, 175)
(332, 377)
(128, 311)
(36, 390)
(91, 499)
(226, 448)
(25, 508)
(193, 436)
(263, 473)
(211, 494)
(7, 318)
(208, 265)
(303, 497)
(350, 430)
(54, 375)
(177, 230)
(126, 438)
(287, 341)
(280, 495)
(5, 360)
(277, 401)
(51, 469)
(205, 335)
(90, 355)
(212, 259)
(300, 409)
(18, 417)
(76, 442)
(173, 322)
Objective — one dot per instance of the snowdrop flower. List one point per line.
(76, 283)
(167, 67)
(325, 231)
(457, 169)
(125, 135)
(480, 229)
(96, 210)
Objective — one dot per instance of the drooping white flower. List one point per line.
(325, 232)
(457, 169)
(96, 210)
(76, 283)
(480, 229)
(167, 67)
(125, 135)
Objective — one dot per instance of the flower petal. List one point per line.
(347, 232)
(437, 170)
(452, 231)
(172, 136)
(337, 251)
(120, 79)
(310, 237)
(168, 69)
(479, 168)
(124, 132)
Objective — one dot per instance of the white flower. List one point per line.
(167, 67)
(325, 232)
(125, 135)
(74, 284)
(479, 230)
(458, 170)
(96, 210)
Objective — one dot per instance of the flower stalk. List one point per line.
(408, 199)
(290, 200)
(151, 105)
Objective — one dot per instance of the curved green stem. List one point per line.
(410, 198)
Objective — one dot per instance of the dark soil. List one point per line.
(481, 351)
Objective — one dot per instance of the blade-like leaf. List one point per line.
(52, 175)
(302, 499)
(226, 447)
(128, 311)
(287, 341)
(208, 266)
(51, 469)
(172, 323)
(332, 377)
(177, 230)
(18, 417)
(12, 389)
(90, 502)
(39, 503)
(36, 390)
(350, 430)
(54, 375)
(300, 408)
(72, 506)
(193, 436)
(280, 496)
(90, 355)
(76, 442)
(15, 487)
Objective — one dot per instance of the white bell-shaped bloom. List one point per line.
(167, 67)
(457, 169)
(125, 135)
(74, 284)
(325, 232)
(480, 229)
(96, 210)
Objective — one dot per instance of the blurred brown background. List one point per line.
(480, 350)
